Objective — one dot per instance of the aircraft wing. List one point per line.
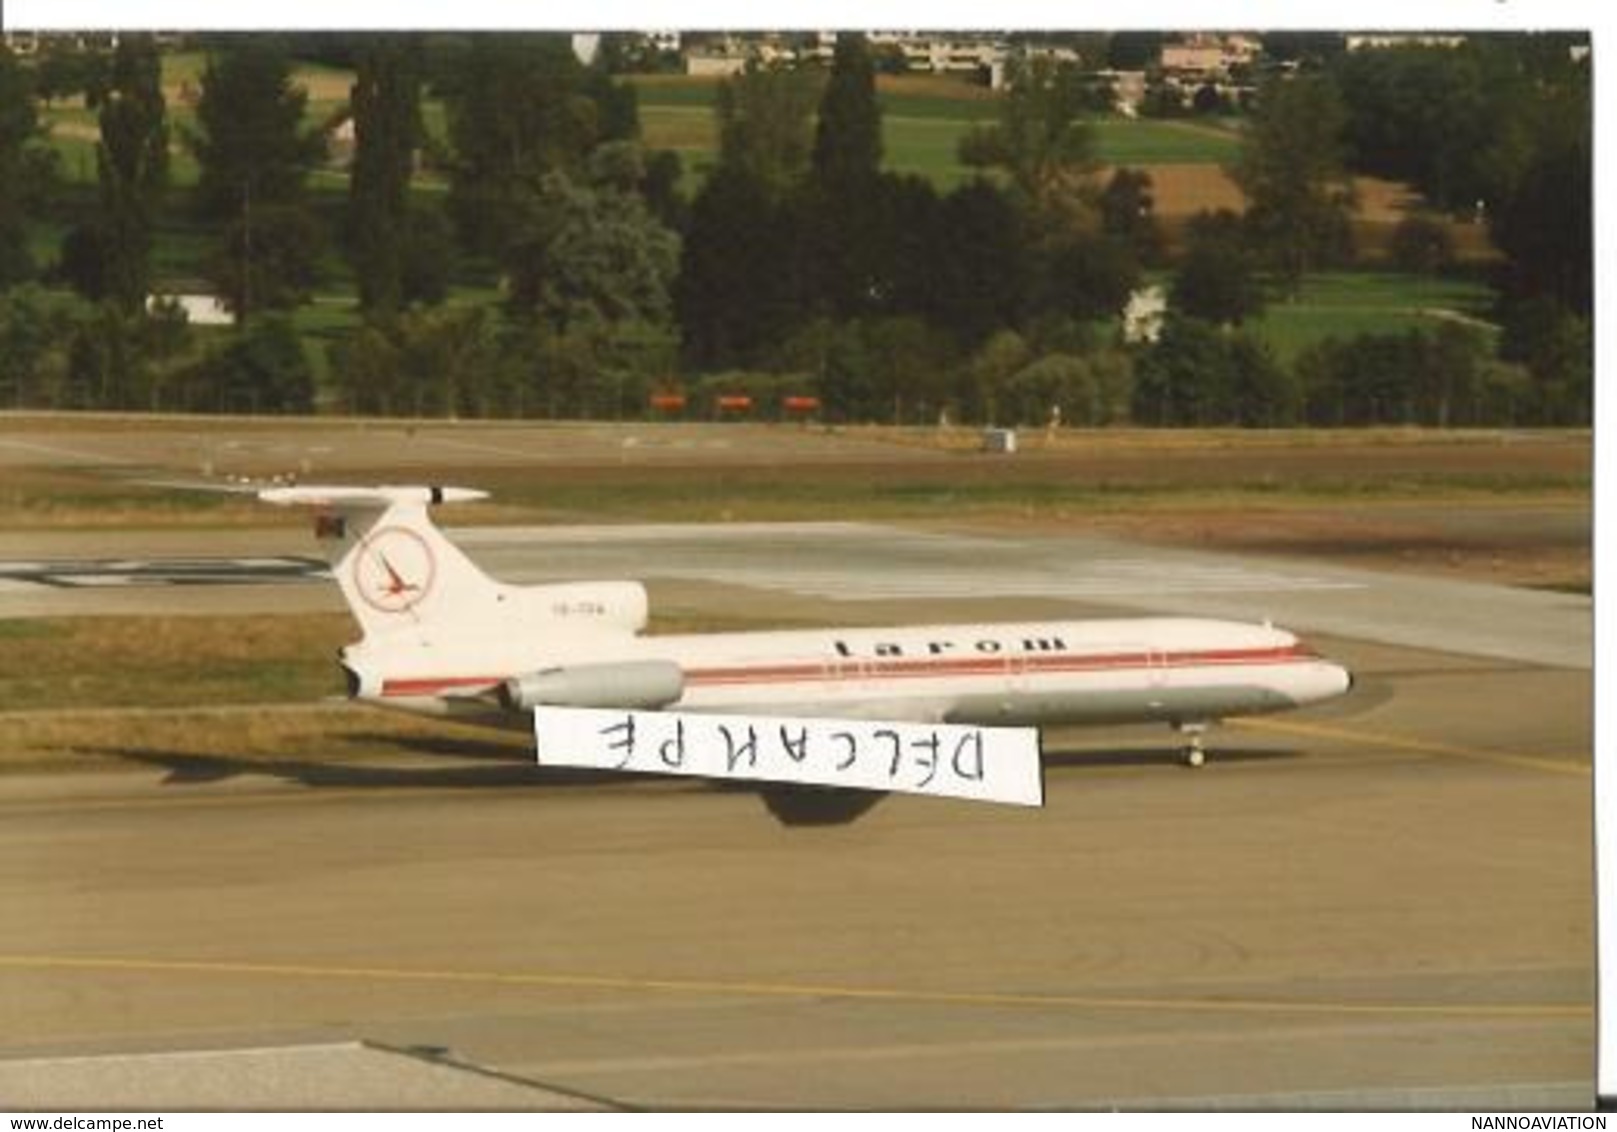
(872, 710)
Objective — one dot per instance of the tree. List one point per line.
(1217, 279)
(1545, 226)
(1291, 170)
(267, 260)
(1197, 374)
(1422, 245)
(1427, 115)
(427, 362)
(26, 169)
(1261, 392)
(1416, 377)
(107, 369)
(981, 276)
(907, 245)
(617, 106)
(1071, 389)
(1209, 100)
(989, 372)
(591, 253)
(254, 155)
(1127, 210)
(1042, 139)
(250, 143)
(517, 109)
(1134, 50)
(588, 370)
(843, 374)
(263, 370)
(369, 365)
(427, 257)
(660, 187)
(877, 369)
(1556, 346)
(845, 210)
(451, 353)
(64, 69)
(386, 102)
(1310, 48)
(765, 119)
(1088, 277)
(132, 171)
(736, 294)
(1447, 381)
(34, 328)
(847, 138)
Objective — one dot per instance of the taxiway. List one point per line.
(1387, 901)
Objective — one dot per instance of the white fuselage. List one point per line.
(1177, 670)
(442, 637)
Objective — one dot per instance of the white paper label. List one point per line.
(981, 764)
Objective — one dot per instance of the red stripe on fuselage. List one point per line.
(841, 669)
(438, 685)
(845, 670)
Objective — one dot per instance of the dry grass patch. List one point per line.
(92, 662)
(219, 742)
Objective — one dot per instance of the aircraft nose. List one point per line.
(1326, 682)
(1338, 683)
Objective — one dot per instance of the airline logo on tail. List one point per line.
(394, 569)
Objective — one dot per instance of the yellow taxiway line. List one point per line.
(626, 983)
(1417, 746)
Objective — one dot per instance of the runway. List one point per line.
(1386, 901)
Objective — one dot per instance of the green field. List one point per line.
(921, 131)
(1141, 141)
(921, 128)
(1347, 303)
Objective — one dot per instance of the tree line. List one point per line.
(801, 265)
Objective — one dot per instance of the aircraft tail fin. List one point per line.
(396, 569)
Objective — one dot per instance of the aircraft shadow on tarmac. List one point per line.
(190, 769)
(1091, 759)
(502, 766)
(790, 805)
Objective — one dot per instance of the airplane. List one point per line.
(442, 638)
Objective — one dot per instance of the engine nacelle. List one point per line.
(619, 684)
(592, 605)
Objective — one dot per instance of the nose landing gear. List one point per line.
(1195, 753)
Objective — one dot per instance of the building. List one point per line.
(1381, 40)
(1206, 56)
(714, 64)
(943, 53)
(1144, 315)
(722, 56)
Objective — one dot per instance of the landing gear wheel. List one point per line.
(1195, 754)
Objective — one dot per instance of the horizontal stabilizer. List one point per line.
(979, 764)
(366, 498)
